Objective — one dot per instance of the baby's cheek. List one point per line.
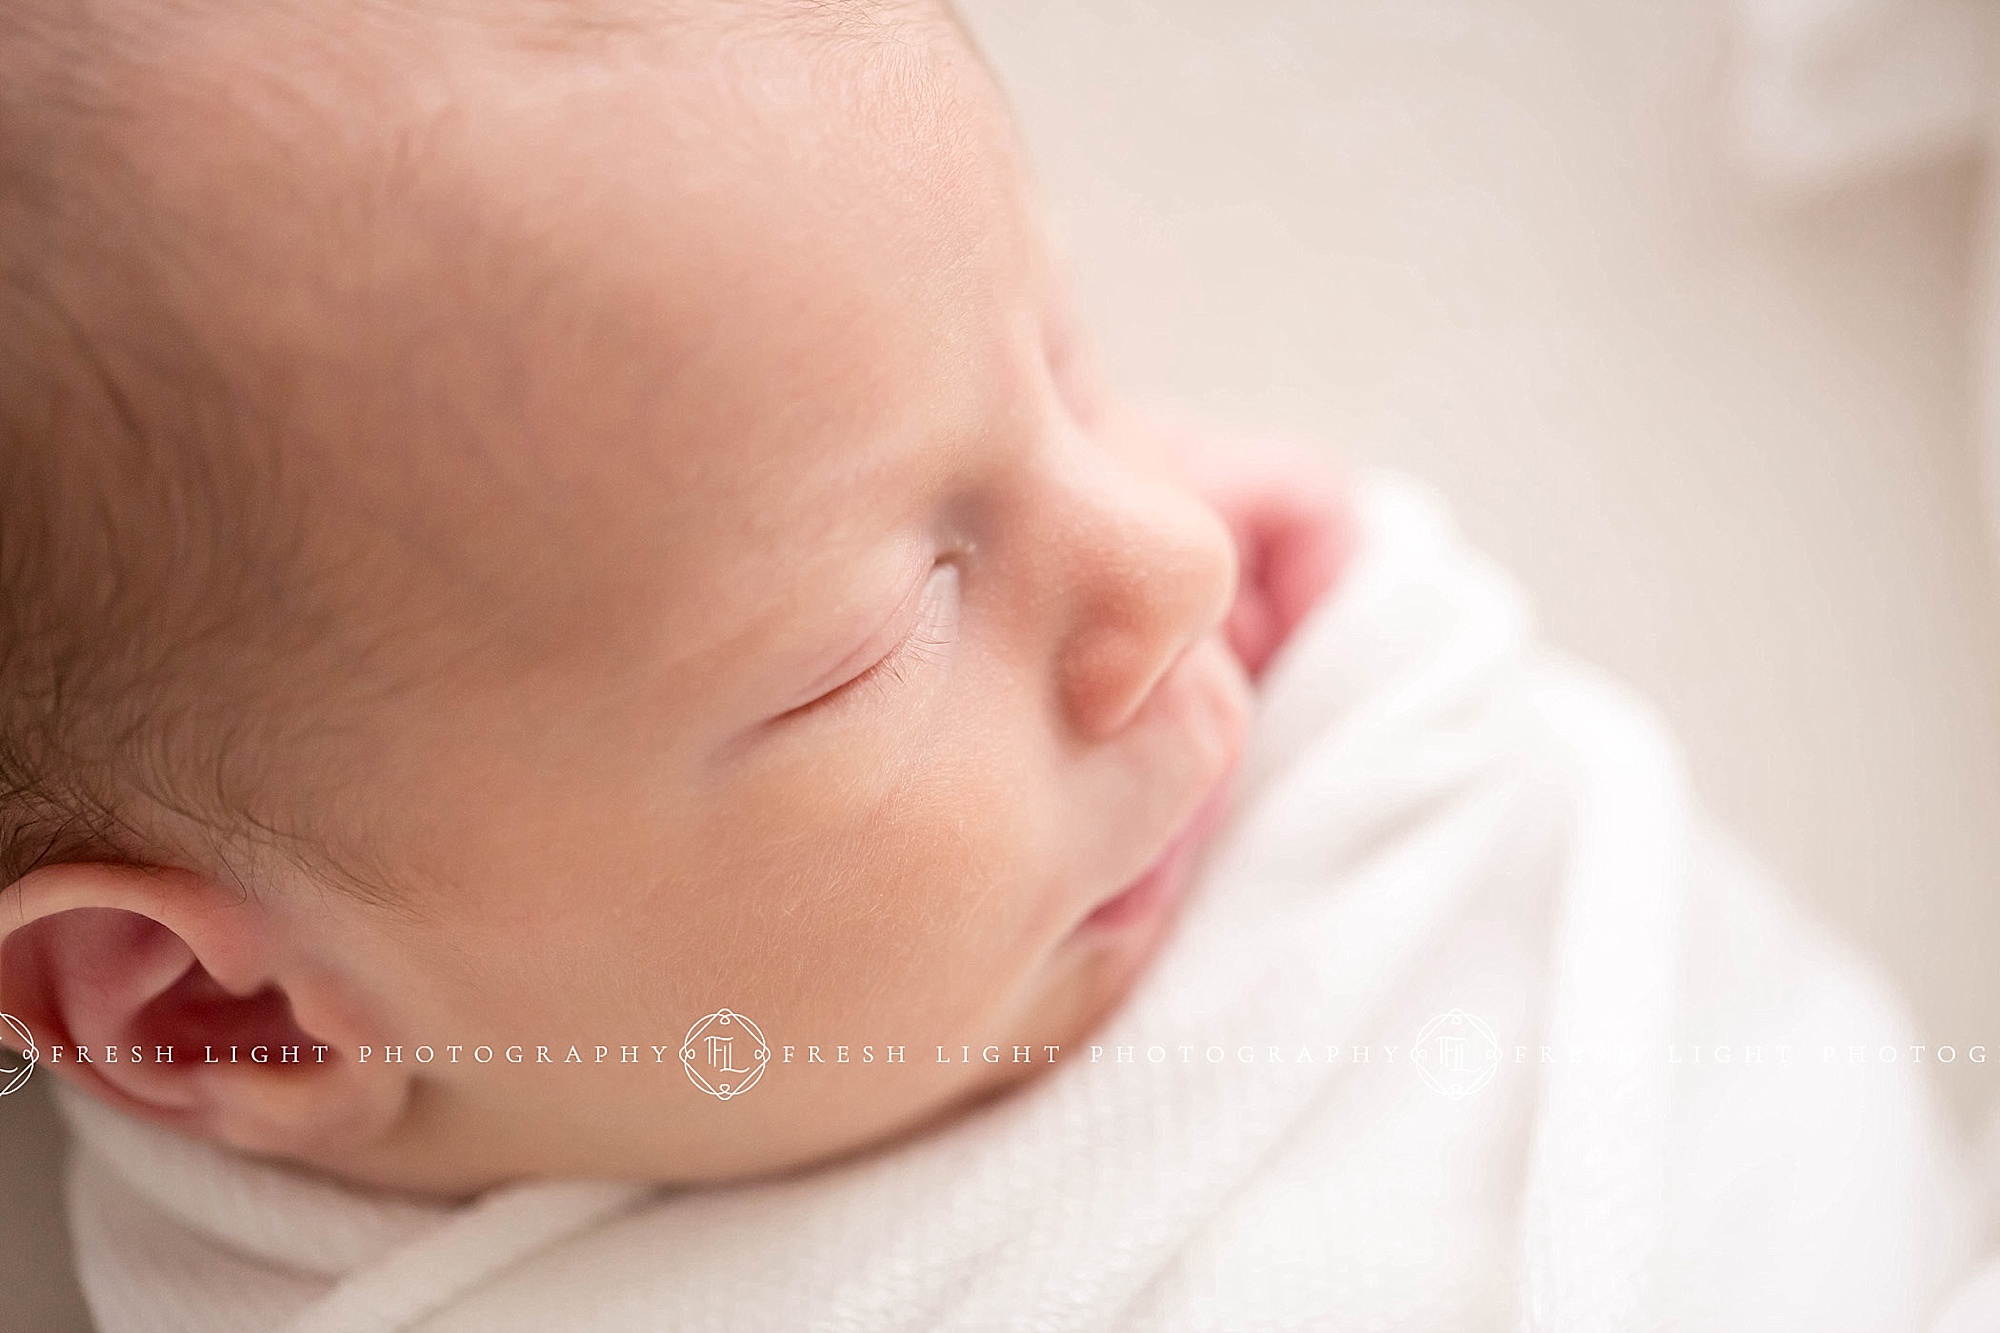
(896, 889)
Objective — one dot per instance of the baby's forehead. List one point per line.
(493, 234)
(503, 298)
(617, 331)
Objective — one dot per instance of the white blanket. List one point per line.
(1441, 831)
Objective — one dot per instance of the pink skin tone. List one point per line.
(782, 617)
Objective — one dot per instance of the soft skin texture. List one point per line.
(721, 581)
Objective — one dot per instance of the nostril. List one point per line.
(1105, 682)
(1116, 663)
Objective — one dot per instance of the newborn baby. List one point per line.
(540, 521)
(577, 611)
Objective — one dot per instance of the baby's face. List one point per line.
(783, 622)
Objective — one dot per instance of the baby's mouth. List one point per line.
(1160, 883)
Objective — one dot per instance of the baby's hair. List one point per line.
(149, 529)
(102, 500)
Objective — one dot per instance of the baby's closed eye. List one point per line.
(929, 632)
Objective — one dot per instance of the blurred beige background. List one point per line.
(1726, 440)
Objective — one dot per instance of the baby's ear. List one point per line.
(172, 997)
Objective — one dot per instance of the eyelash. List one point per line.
(919, 649)
(925, 645)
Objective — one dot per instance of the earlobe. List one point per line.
(170, 997)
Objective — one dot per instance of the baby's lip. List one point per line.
(1159, 882)
(1216, 686)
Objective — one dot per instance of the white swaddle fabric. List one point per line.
(1440, 830)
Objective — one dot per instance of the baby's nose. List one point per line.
(1153, 570)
